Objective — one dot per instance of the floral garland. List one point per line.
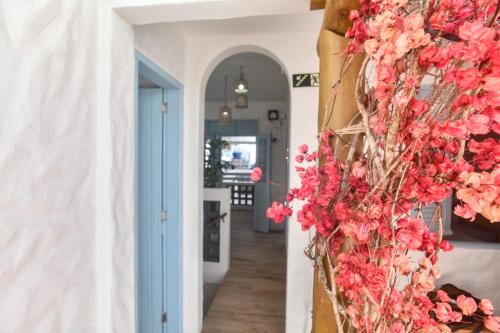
(429, 100)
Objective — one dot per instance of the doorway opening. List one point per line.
(158, 203)
(254, 89)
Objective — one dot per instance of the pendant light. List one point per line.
(242, 85)
(241, 101)
(225, 116)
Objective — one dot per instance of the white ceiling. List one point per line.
(141, 12)
(266, 80)
(309, 22)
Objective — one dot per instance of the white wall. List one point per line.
(165, 45)
(48, 109)
(67, 165)
(214, 272)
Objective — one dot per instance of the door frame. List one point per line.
(172, 182)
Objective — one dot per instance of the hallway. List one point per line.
(252, 296)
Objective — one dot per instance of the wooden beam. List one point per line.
(317, 4)
(336, 16)
(331, 44)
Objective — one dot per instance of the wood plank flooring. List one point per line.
(252, 296)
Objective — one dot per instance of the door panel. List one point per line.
(151, 243)
(262, 190)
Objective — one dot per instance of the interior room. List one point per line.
(246, 126)
(131, 131)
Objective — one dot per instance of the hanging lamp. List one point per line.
(225, 116)
(242, 84)
(241, 101)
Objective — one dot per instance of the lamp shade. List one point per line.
(242, 84)
(241, 101)
(225, 116)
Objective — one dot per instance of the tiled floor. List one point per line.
(252, 296)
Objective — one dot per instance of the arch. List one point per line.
(234, 50)
(209, 68)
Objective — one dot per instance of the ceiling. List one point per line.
(266, 80)
(139, 12)
(309, 22)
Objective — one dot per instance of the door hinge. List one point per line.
(163, 318)
(163, 215)
(164, 107)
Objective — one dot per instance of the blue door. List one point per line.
(152, 201)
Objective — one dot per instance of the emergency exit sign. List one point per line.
(305, 80)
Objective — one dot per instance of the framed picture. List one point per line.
(273, 115)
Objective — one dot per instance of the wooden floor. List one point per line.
(252, 296)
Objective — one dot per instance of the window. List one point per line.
(241, 154)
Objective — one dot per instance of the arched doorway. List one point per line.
(254, 282)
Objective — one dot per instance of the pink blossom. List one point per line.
(358, 170)
(443, 296)
(256, 174)
(371, 46)
(278, 212)
(466, 304)
(425, 263)
(472, 31)
(419, 107)
(468, 78)
(443, 311)
(478, 124)
(492, 323)
(465, 212)
(411, 233)
(397, 328)
(413, 22)
(491, 82)
(486, 307)
(303, 149)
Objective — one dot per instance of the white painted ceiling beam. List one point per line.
(140, 12)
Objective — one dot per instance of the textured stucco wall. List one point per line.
(66, 164)
(48, 102)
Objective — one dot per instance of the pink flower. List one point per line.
(475, 31)
(353, 14)
(413, 22)
(411, 233)
(465, 212)
(358, 170)
(466, 78)
(486, 307)
(303, 149)
(491, 82)
(443, 311)
(371, 46)
(256, 174)
(478, 124)
(299, 158)
(277, 212)
(397, 328)
(492, 323)
(466, 304)
(419, 107)
(425, 263)
(443, 296)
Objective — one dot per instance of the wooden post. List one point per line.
(331, 46)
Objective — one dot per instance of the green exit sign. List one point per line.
(306, 80)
